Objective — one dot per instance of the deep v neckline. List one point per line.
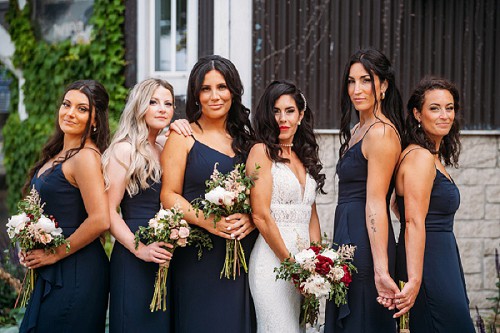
(38, 175)
(302, 188)
(218, 151)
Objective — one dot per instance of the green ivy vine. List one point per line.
(47, 69)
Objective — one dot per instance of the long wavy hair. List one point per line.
(133, 129)
(449, 149)
(375, 63)
(98, 105)
(238, 121)
(267, 129)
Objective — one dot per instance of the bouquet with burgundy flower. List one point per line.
(227, 194)
(319, 272)
(32, 230)
(169, 226)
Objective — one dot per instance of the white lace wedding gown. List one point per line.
(277, 302)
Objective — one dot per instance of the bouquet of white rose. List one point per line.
(227, 194)
(319, 272)
(31, 229)
(169, 226)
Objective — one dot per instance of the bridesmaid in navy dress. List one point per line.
(71, 290)
(368, 156)
(427, 200)
(201, 301)
(133, 174)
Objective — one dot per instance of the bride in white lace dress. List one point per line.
(283, 201)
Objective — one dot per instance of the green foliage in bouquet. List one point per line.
(319, 272)
(169, 226)
(196, 238)
(228, 204)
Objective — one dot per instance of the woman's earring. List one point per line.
(383, 95)
(419, 126)
(298, 123)
(94, 129)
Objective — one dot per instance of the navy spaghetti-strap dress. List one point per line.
(72, 294)
(442, 305)
(132, 279)
(362, 313)
(201, 300)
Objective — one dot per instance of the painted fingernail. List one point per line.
(228, 228)
(232, 236)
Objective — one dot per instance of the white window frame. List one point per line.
(146, 44)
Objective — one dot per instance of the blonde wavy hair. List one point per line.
(134, 130)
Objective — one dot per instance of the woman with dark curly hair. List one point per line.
(427, 200)
(283, 200)
(368, 156)
(68, 177)
(221, 133)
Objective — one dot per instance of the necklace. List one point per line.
(286, 144)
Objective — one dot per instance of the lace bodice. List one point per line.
(290, 203)
(277, 303)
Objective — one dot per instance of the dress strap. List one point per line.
(97, 151)
(406, 154)
(383, 122)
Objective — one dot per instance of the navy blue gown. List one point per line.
(362, 313)
(132, 279)
(201, 300)
(442, 305)
(72, 294)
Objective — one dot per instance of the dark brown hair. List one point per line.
(98, 104)
(449, 150)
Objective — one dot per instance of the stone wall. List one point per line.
(477, 223)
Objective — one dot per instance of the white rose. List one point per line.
(216, 195)
(153, 223)
(16, 223)
(162, 214)
(336, 273)
(46, 224)
(330, 254)
(304, 255)
(228, 198)
(316, 285)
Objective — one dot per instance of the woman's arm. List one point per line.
(381, 148)
(84, 171)
(417, 174)
(314, 226)
(260, 200)
(119, 160)
(173, 163)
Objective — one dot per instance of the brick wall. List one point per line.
(477, 223)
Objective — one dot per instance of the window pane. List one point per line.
(165, 46)
(181, 35)
(163, 42)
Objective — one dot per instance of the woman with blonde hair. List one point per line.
(133, 177)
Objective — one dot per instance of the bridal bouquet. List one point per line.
(228, 194)
(169, 226)
(319, 272)
(32, 230)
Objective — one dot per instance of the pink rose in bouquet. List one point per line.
(227, 194)
(169, 226)
(31, 229)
